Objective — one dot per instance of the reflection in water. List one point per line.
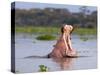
(64, 63)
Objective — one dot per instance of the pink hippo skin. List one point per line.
(63, 47)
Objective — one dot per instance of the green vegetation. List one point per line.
(86, 31)
(34, 41)
(54, 30)
(43, 68)
(46, 37)
(55, 17)
(32, 29)
(84, 38)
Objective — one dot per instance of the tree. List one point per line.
(83, 15)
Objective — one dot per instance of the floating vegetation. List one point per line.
(34, 41)
(43, 68)
(46, 37)
(84, 38)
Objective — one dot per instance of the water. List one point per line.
(26, 45)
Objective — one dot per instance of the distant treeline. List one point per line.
(55, 17)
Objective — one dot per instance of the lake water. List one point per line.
(26, 46)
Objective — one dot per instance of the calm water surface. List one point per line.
(26, 46)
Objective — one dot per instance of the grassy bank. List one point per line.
(55, 30)
(85, 31)
(37, 29)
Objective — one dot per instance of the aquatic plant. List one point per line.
(46, 37)
(34, 41)
(84, 38)
(43, 68)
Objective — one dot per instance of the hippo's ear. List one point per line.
(72, 30)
